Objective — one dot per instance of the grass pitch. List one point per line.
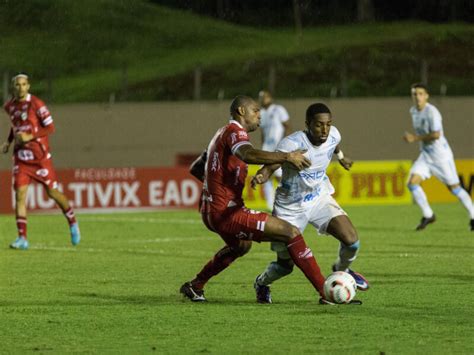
(118, 291)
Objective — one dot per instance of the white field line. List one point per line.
(95, 250)
(168, 240)
(106, 219)
(260, 254)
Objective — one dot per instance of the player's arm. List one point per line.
(435, 127)
(23, 137)
(250, 155)
(343, 160)
(427, 138)
(6, 145)
(197, 167)
(263, 174)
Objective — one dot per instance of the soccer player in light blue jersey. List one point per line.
(304, 197)
(436, 157)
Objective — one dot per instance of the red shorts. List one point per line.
(237, 224)
(42, 172)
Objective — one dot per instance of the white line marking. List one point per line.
(140, 220)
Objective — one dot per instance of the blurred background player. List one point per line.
(436, 157)
(305, 197)
(222, 207)
(274, 125)
(31, 124)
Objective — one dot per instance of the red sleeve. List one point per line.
(42, 112)
(236, 138)
(44, 131)
(44, 116)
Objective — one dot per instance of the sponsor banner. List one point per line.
(368, 183)
(375, 183)
(436, 191)
(112, 189)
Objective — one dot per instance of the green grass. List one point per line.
(85, 46)
(117, 291)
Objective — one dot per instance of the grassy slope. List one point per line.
(118, 290)
(87, 44)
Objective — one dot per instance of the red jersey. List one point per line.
(225, 173)
(33, 117)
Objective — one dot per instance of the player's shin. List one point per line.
(276, 270)
(221, 261)
(347, 254)
(21, 224)
(70, 216)
(303, 258)
(420, 198)
(465, 199)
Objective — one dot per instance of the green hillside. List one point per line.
(92, 48)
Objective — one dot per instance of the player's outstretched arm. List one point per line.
(411, 138)
(263, 174)
(6, 145)
(343, 160)
(197, 167)
(251, 155)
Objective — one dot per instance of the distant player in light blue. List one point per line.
(436, 157)
(274, 125)
(304, 197)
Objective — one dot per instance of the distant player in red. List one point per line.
(31, 124)
(222, 207)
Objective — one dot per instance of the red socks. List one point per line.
(21, 226)
(70, 216)
(300, 253)
(221, 261)
(303, 258)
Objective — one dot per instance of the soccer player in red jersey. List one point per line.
(31, 124)
(222, 207)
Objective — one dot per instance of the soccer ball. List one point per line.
(340, 287)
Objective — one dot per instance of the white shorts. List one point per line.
(318, 213)
(444, 170)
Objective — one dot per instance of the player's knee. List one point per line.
(51, 192)
(294, 232)
(20, 195)
(414, 181)
(455, 189)
(243, 248)
(412, 186)
(350, 236)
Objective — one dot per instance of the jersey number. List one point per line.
(25, 155)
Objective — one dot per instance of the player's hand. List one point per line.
(409, 137)
(258, 179)
(5, 147)
(346, 163)
(261, 177)
(23, 137)
(298, 160)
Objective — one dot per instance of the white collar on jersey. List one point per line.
(231, 120)
(28, 98)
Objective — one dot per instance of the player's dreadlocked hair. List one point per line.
(420, 86)
(239, 101)
(316, 109)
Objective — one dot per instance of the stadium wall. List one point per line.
(152, 134)
(122, 157)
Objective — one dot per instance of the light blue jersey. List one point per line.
(298, 188)
(427, 121)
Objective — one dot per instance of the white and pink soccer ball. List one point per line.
(340, 287)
